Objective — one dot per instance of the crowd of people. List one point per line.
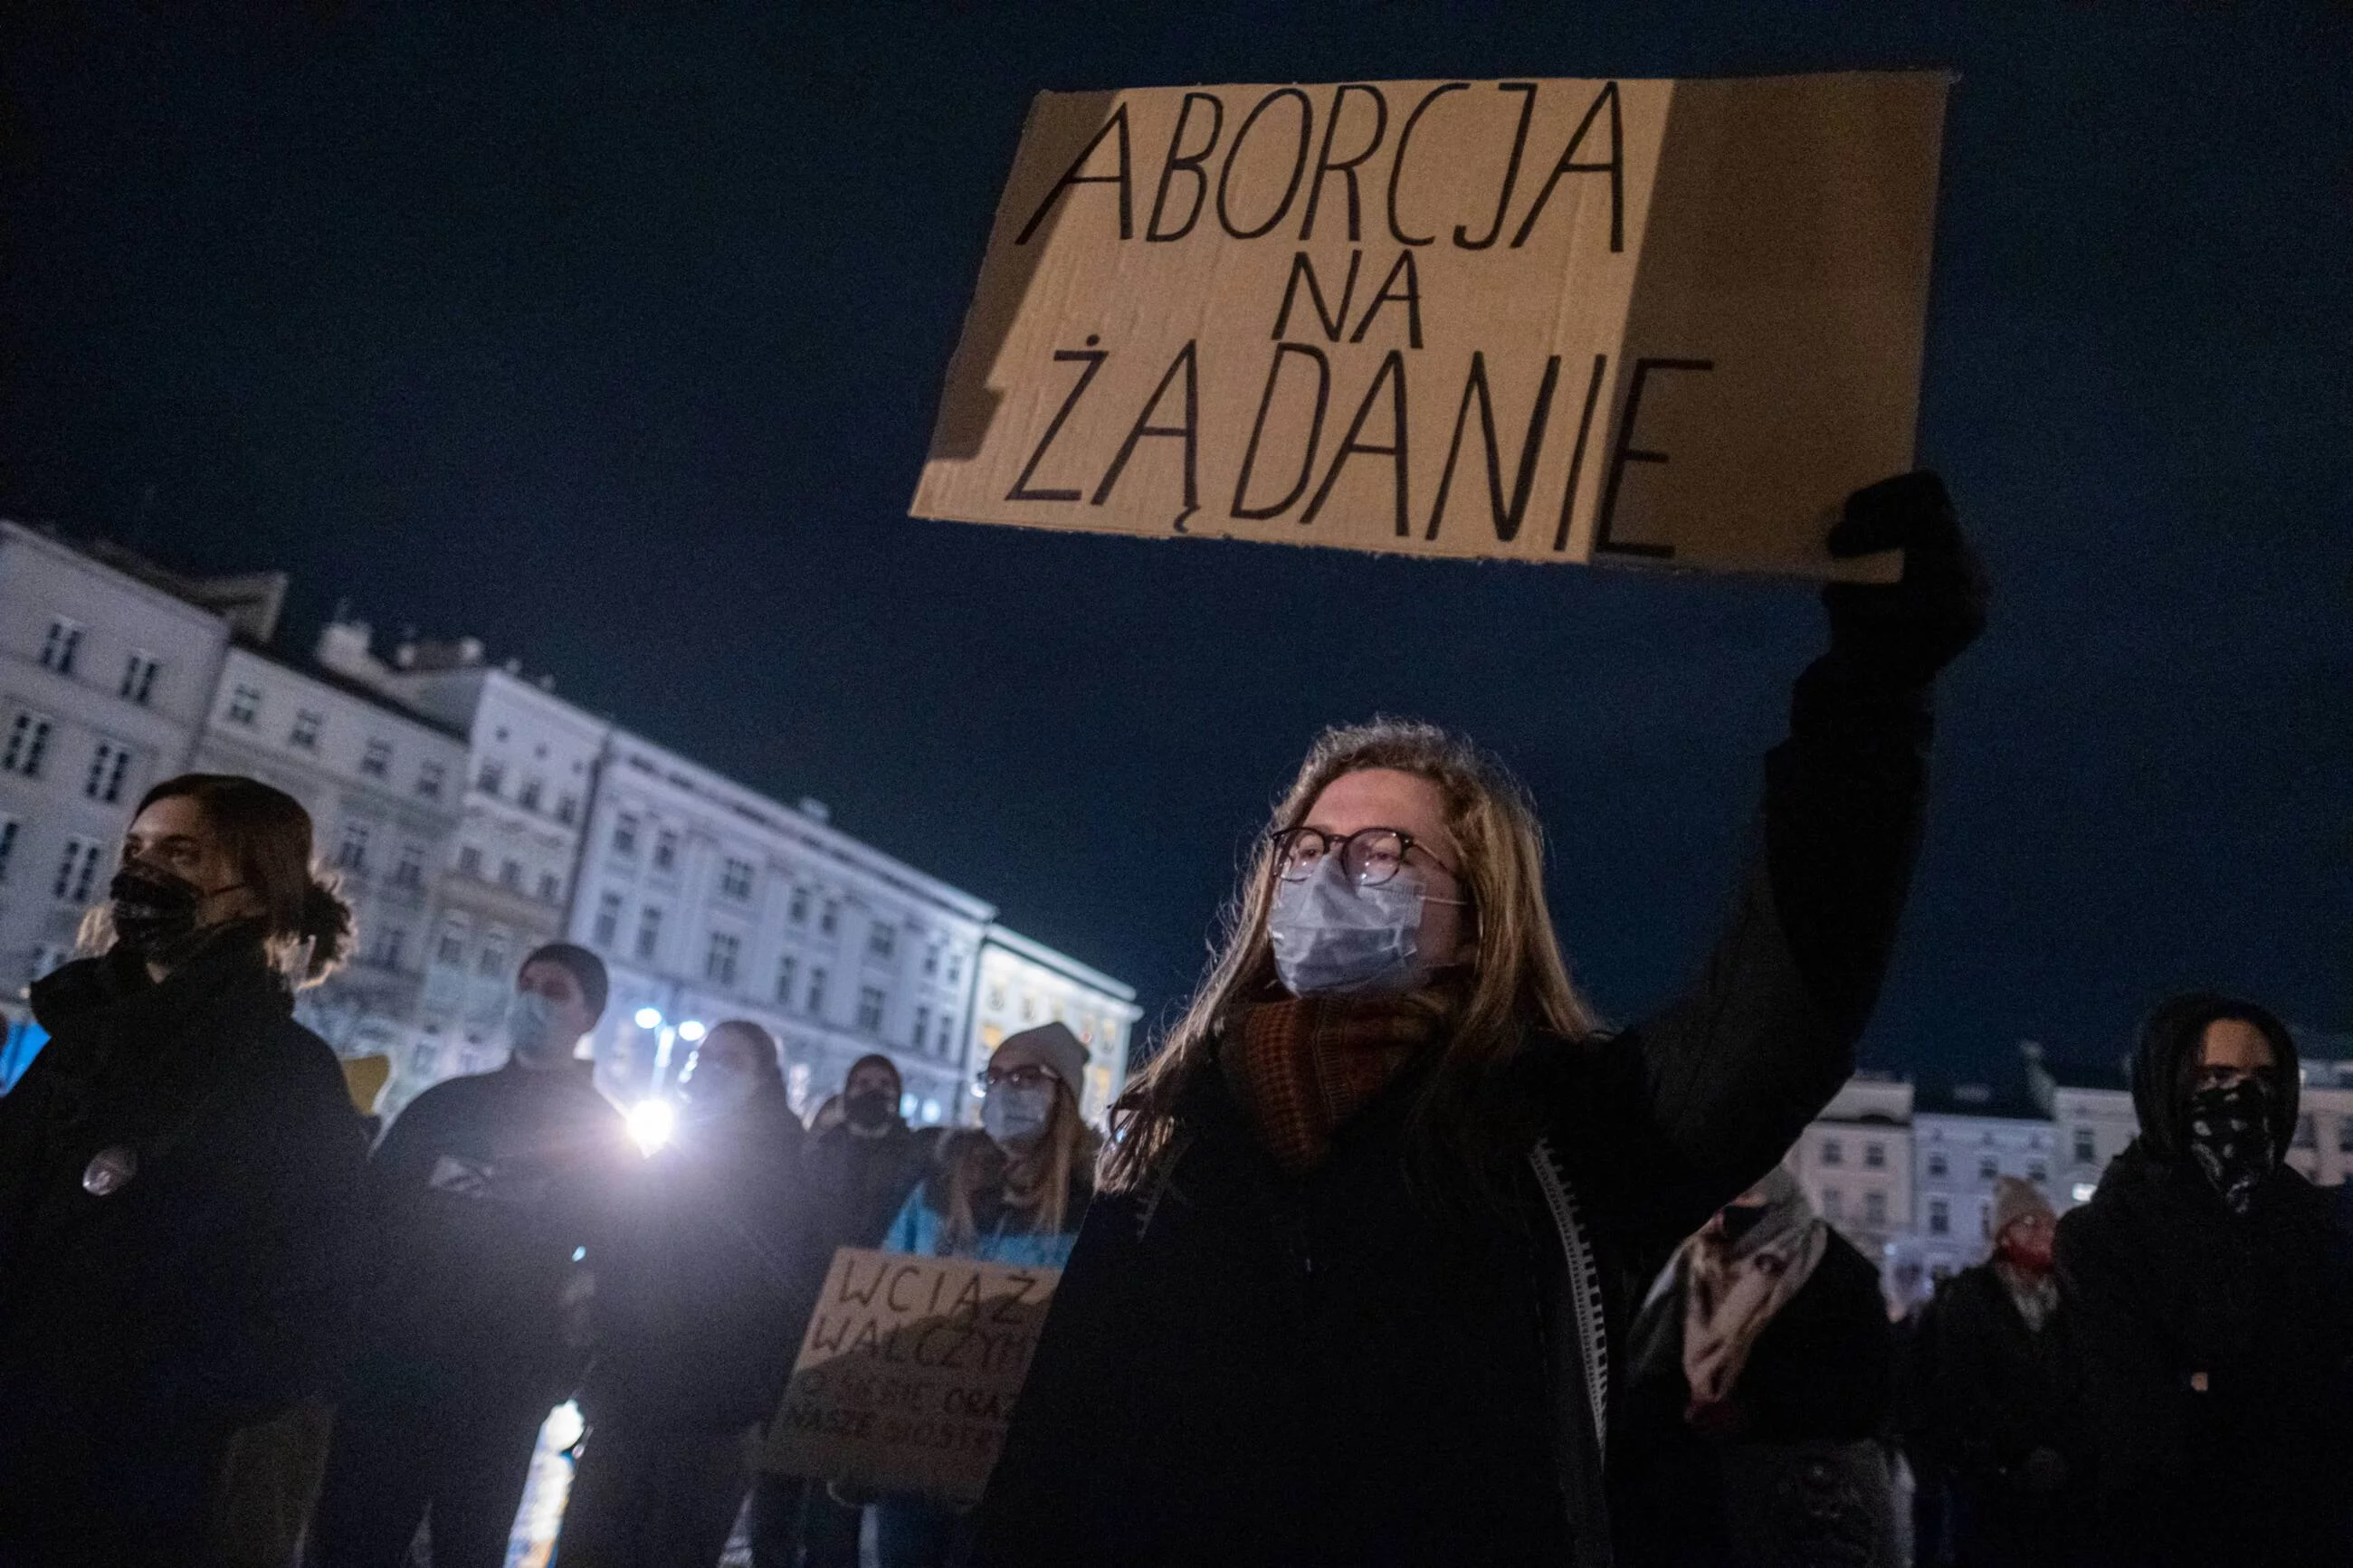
(1395, 1254)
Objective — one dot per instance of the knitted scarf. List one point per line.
(1304, 1066)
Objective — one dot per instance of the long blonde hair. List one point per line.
(1518, 981)
(1037, 1181)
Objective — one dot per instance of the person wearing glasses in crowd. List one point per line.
(1012, 1193)
(1373, 1223)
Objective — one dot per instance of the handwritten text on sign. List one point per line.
(908, 1372)
(1562, 319)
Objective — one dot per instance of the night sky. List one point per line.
(615, 342)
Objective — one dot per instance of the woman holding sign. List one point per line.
(1381, 1209)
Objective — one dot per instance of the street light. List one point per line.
(691, 1030)
(648, 1018)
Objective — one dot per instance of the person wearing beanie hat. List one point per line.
(2005, 1396)
(1052, 1045)
(492, 1194)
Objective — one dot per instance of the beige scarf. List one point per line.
(1733, 1287)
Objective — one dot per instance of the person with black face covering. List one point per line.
(180, 1175)
(2211, 1310)
(859, 1171)
(488, 1193)
(692, 1346)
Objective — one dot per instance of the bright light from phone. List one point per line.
(652, 1121)
(648, 1017)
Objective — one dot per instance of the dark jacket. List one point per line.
(2214, 1347)
(857, 1184)
(2003, 1390)
(1244, 1368)
(484, 1189)
(139, 1327)
(697, 1283)
(1821, 1373)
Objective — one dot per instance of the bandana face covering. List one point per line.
(2230, 1138)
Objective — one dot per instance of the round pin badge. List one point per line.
(110, 1170)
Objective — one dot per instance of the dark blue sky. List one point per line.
(615, 342)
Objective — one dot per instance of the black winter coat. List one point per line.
(1244, 1368)
(2215, 1351)
(2003, 1390)
(1823, 1371)
(697, 1287)
(483, 1192)
(138, 1329)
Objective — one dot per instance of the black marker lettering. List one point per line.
(1189, 432)
(1615, 168)
(1626, 452)
(1347, 167)
(1021, 491)
(1335, 322)
(1527, 90)
(1392, 372)
(1576, 453)
(1411, 297)
(1071, 176)
(1187, 163)
(1258, 428)
(1298, 162)
(1507, 518)
(1396, 168)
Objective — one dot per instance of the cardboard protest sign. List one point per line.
(908, 1372)
(1667, 322)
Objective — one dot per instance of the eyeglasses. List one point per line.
(1369, 857)
(1029, 1075)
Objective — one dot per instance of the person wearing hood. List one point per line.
(2211, 1310)
(1390, 1176)
(862, 1161)
(2007, 1398)
(180, 1183)
(1013, 1192)
(490, 1192)
(1761, 1374)
(691, 1307)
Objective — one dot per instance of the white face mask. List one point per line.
(1015, 1113)
(533, 1031)
(1333, 939)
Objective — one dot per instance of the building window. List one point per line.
(665, 849)
(1987, 1167)
(609, 919)
(1833, 1205)
(28, 743)
(2038, 1171)
(352, 853)
(139, 677)
(62, 646)
(2087, 1148)
(8, 850)
(649, 931)
(305, 733)
(107, 766)
(551, 888)
(1874, 1208)
(718, 964)
(1874, 1156)
(408, 871)
(882, 940)
(797, 907)
(429, 777)
(427, 1060)
(470, 859)
(2344, 1124)
(944, 1038)
(1937, 1165)
(491, 779)
(1833, 1154)
(492, 959)
(931, 960)
(511, 875)
(923, 1027)
(816, 1003)
(528, 796)
(870, 1008)
(375, 759)
(77, 872)
(624, 834)
(388, 947)
(567, 809)
(1940, 1217)
(451, 947)
(829, 920)
(956, 970)
(787, 968)
(735, 880)
(245, 705)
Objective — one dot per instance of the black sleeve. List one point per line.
(1707, 1094)
(2133, 1412)
(1825, 1368)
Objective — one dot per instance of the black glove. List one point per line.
(1898, 635)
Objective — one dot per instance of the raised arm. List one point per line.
(1709, 1093)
